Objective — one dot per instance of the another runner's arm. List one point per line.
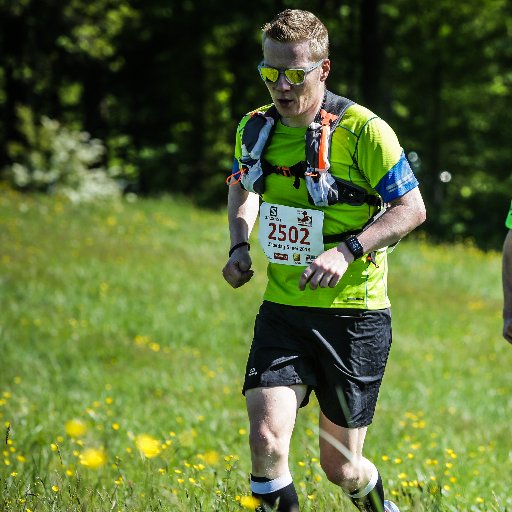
(242, 213)
(507, 287)
(403, 215)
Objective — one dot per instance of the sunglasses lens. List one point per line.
(269, 74)
(295, 76)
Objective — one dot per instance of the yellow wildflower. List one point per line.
(249, 502)
(147, 445)
(75, 428)
(93, 458)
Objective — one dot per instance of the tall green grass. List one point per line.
(123, 350)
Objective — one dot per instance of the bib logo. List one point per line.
(273, 211)
(280, 256)
(296, 258)
(310, 258)
(303, 219)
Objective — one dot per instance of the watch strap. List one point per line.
(237, 246)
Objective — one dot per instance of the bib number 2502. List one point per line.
(290, 236)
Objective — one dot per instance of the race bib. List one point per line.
(291, 236)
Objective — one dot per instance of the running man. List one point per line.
(337, 190)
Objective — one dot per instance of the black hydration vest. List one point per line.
(324, 189)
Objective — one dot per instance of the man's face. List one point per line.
(297, 104)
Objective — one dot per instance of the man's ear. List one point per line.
(325, 68)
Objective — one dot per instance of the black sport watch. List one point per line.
(354, 246)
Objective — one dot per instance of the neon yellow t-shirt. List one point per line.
(376, 149)
(508, 222)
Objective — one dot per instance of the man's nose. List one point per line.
(282, 84)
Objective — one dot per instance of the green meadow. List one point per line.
(123, 351)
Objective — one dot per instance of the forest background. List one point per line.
(154, 89)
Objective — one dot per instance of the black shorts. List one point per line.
(341, 354)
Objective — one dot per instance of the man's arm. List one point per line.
(243, 209)
(507, 287)
(403, 215)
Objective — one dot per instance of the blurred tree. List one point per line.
(450, 79)
(58, 58)
(164, 83)
(372, 56)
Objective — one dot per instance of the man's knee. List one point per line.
(344, 474)
(265, 442)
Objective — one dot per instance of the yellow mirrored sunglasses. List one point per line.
(294, 76)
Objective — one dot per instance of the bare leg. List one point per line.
(272, 413)
(341, 455)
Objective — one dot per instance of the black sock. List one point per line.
(280, 490)
(371, 501)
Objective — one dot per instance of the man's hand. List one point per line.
(507, 329)
(327, 269)
(238, 271)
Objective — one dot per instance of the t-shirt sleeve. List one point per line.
(397, 181)
(383, 162)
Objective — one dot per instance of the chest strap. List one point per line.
(322, 186)
(347, 192)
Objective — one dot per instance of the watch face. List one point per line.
(354, 246)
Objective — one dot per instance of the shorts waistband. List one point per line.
(327, 311)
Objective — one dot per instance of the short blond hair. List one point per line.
(294, 25)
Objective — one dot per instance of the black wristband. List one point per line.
(354, 246)
(237, 246)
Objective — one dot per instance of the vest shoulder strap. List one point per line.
(337, 105)
(320, 131)
(331, 113)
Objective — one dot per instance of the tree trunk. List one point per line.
(372, 55)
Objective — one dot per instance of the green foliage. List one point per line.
(123, 352)
(95, 27)
(164, 84)
(56, 159)
(451, 87)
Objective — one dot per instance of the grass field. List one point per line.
(122, 355)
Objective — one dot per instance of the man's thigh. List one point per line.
(272, 412)
(274, 407)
